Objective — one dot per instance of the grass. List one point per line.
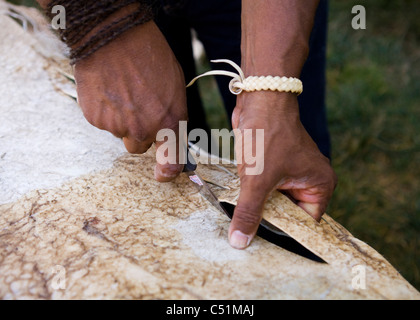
(374, 117)
(29, 3)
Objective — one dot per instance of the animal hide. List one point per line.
(82, 219)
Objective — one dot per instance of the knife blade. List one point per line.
(206, 193)
(201, 185)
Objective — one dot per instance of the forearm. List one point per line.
(275, 36)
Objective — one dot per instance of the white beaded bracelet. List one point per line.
(239, 83)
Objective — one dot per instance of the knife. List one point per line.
(206, 193)
(201, 185)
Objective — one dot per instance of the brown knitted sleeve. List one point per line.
(82, 16)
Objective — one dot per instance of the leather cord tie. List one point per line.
(239, 83)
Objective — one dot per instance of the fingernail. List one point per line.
(238, 240)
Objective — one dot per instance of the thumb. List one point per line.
(169, 165)
(168, 172)
(247, 216)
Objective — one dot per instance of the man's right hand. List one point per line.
(133, 87)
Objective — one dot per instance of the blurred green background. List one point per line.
(374, 118)
(373, 100)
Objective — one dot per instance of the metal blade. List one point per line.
(272, 228)
(205, 191)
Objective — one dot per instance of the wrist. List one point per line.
(265, 53)
(119, 14)
(275, 36)
(133, 45)
(262, 62)
(281, 104)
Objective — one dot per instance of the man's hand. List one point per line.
(275, 41)
(292, 163)
(133, 87)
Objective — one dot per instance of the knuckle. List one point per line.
(116, 131)
(141, 149)
(328, 179)
(247, 216)
(333, 180)
(259, 185)
(91, 112)
(93, 119)
(142, 134)
(114, 126)
(135, 147)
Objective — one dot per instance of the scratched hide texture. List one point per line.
(71, 197)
